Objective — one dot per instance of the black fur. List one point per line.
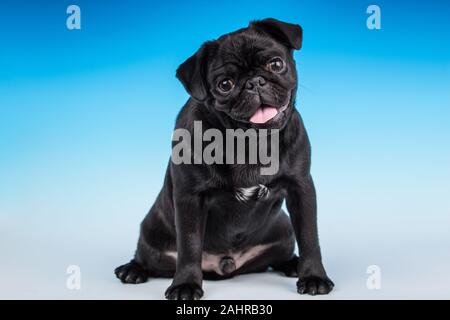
(197, 210)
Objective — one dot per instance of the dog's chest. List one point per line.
(258, 192)
(246, 175)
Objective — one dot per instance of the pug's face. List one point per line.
(247, 77)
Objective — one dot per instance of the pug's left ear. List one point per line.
(191, 74)
(289, 34)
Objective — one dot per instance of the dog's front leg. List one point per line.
(302, 207)
(190, 225)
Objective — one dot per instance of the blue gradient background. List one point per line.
(86, 118)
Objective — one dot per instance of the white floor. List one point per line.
(36, 255)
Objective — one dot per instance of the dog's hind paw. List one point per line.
(289, 268)
(131, 272)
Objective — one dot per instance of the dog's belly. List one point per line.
(225, 263)
(241, 218)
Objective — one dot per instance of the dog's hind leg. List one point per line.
(132, 272)
(148, 262)
(289, 267)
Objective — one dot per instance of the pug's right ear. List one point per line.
(191, 74)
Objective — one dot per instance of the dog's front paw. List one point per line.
(314, 285)
(185, 291)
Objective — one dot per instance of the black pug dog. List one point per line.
(220, 220)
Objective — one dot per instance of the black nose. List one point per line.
(255, 82)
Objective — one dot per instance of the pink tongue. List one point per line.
(263, 114)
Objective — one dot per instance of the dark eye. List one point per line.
(276, 65)
(226, 85)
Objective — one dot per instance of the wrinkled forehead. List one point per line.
(245, 50)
